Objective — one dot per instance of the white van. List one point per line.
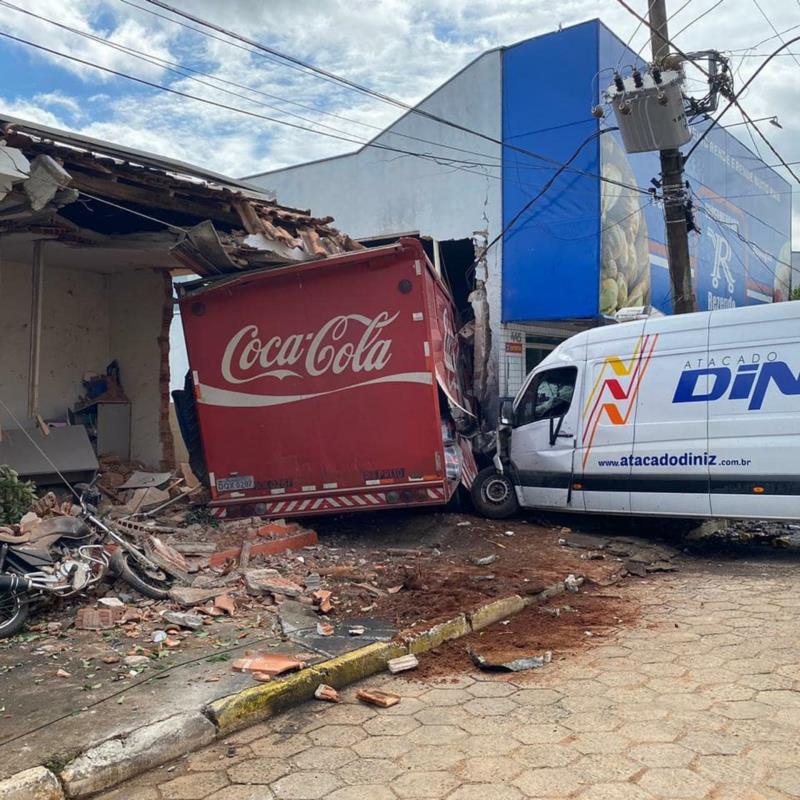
(690, 416)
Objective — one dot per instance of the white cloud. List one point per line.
(404, 48)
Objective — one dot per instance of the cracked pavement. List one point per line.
(701, 699)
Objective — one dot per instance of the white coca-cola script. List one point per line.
(346, 342)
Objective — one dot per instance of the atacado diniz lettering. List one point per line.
(248, 358)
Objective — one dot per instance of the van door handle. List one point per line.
(565, 435)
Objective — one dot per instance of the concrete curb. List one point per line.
(115, 760)
(260, 702)
(32, 784)
(118, 759)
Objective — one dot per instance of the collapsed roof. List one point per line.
(85, 192)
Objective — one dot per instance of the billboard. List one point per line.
(572, 255)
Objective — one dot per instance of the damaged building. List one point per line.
(571, 246)
(91, 235)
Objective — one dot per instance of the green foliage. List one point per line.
(796, 293)
(16, 496)
(200, 515)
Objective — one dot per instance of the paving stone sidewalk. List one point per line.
(700, 700)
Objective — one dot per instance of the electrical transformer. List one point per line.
(649, 110)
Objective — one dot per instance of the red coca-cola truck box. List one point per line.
(328, 386)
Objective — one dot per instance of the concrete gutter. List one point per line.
(107, 764)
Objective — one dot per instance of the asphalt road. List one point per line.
(698, 699)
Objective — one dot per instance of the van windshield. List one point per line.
(548, 395)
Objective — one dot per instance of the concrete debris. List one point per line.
(356, 630)
(324, 629)
(327, 693)
(182, 619)
(188, 596)
(485, 560)
(111, 602)
(402, 663)
(376, 697)
(62, 673)
(143, 480)
(29, 522)
(275, 584)
(488, 664)
(136, 661)
(571, 583)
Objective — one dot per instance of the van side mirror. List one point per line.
(507, 413)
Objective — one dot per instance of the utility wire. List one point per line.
(757, 250)
(774, 29)
(224, 106)
(546, 187)
(176, 68)
(350, 139)
(360, 88)
(698, 18)
(768, 39)
(733, 101)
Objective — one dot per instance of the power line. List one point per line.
(732, 101)
(171, 67)
(596, 134)
(764, 41)
(774, 29)
(698, 18)
(170, 90)
(758, 251)
(360, 88)
(346, 138)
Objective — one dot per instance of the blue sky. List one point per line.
(405, 48)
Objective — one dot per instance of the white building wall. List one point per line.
(374, 192)
(136, 308)
(88, 319)
(74, 338)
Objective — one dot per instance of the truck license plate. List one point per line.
(236, 483)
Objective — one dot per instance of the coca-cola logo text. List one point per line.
(333, 348)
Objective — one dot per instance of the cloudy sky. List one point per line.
(404, 48)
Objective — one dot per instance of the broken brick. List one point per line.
(97, 619)
(322, 599)
(328, 693)
(225, 603)
(376, 697)
(269, 663)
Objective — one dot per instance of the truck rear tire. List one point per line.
(493, 494)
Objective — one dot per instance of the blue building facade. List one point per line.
(588, 247)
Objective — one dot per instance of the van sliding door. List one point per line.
(754, 411)
(669, 463)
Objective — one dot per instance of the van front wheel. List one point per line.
(493, 494)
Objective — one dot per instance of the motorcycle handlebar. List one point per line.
(14, 583)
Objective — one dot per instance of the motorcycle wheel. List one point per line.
(13, 613)
(153, 585)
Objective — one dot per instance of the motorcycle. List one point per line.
(64, 556)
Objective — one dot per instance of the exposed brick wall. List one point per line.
(165, 430)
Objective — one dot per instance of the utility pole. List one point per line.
(672, 185)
